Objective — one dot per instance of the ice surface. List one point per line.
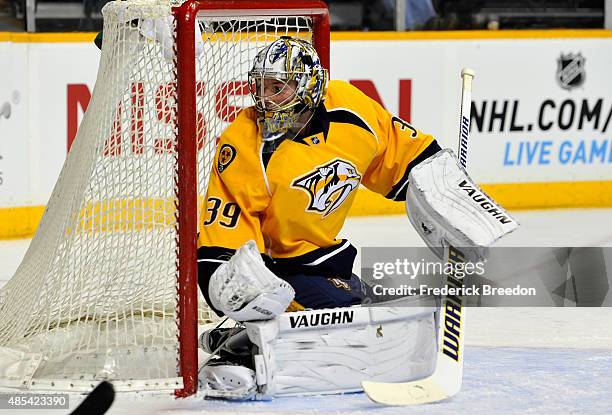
(497, 380)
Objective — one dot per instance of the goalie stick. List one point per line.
(447, 377)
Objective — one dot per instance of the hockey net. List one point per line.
(98, 295)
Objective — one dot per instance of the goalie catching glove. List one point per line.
(244, 289)
(446, 207)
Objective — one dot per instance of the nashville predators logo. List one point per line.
(329, 186)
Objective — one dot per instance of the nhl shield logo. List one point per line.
(570, 70)
(329, 185)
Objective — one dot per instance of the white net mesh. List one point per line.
(96, 294)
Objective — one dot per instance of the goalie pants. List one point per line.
(315, 292)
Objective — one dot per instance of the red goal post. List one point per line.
(185, 16)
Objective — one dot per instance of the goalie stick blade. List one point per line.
(98, 401)
(409, 393)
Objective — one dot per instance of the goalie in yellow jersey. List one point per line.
(284, 177)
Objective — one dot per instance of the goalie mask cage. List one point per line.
(108, 287)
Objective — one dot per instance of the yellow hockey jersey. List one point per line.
(294, 201)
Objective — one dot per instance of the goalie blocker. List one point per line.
(447, 208)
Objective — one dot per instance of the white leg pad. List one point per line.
(333, 350)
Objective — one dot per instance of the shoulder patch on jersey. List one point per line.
(227, 154)
(329, 185)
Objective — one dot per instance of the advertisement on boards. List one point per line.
(541, 108)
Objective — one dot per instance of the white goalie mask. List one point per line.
(286, 80)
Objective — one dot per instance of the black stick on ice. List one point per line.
(98, 401)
